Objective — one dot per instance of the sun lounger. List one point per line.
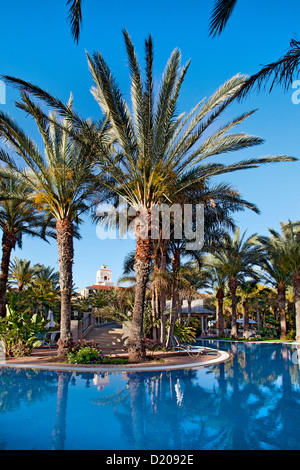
(49, 339)
(191, 350)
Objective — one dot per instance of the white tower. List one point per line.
(104, 276)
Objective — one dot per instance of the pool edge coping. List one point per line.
(224, 356)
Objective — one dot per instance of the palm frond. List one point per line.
(75, 17)
(282, 72)
(220, 15)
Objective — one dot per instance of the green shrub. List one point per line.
(91, 355)
(19, 332)
(86, 355)
(268, 331)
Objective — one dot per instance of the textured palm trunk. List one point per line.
(258, 319)
(189, 317)
(296, 285)
(281, 306)
(136, 349)
(246, 319)
(163, 296)
(155, 295)
(220, 315)
(232, 284)
(8, 244)
(65, 233)
(175, 298)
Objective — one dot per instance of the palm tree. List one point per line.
(246, 292)
(276, 266)
(62, 185)
(21, 273)
(46, 277)
(18, 217)
(156, 154)
(238, 255)
(159, 153)
(287, 246)
(196, 280)
(216, 278)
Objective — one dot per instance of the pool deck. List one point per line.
(44, 358)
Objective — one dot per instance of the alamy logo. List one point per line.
(2, 92)
(296, 94)
(162, 221)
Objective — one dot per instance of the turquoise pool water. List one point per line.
(250, 402)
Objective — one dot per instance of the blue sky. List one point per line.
(36, 45)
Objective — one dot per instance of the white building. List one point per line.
(103, 276)
(103, 282)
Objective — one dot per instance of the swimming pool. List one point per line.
(251, 401)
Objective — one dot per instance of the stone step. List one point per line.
(105, 340)
(109, 339)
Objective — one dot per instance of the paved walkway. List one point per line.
(44, 358)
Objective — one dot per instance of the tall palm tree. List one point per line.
(287, 246)
(238, 257)
(276, 266)
(159, 150)
(196, 280)
(156, 153)
(18, 217)
(246, 292)
(62, 185)
(216, 278)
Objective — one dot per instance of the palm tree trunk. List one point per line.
(296, 285)
(189, 318)
(175, 297)
(220, 316)
(246, 319)
(155, 298)
(65, 233)
(8, 243)
(163, 297)
(281, 305)
(258, 317)
(136, 349)
(232, 287)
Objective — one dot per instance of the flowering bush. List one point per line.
(291, 335)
